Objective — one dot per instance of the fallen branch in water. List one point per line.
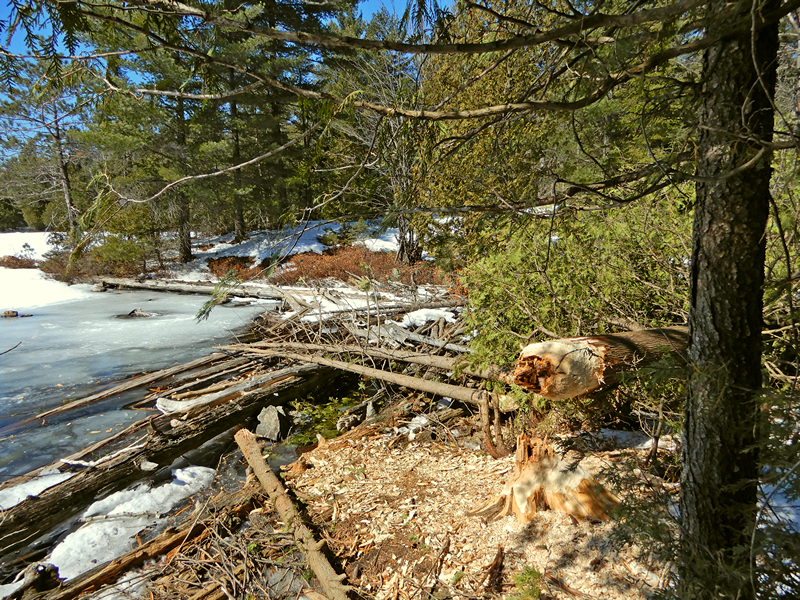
(330, 580)
(118, 389)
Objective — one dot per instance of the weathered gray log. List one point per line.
(469, 395)
(445, 363)
(398, 334)
(572, 367)
(266, 291)
(169, 438)
(117, 389)
(331, 580)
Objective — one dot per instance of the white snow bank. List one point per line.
(22, 289)
(262, 245)
(13, 244)
(115, 521)
(636, 440)
(422, 316)
(14, 495)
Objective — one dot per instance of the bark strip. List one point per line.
(331, 581)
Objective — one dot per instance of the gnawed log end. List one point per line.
(573, 367)
(561, 369)
(542, 481)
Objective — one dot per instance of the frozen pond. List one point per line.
(72, 348)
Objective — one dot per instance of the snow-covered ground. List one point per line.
(262, 245)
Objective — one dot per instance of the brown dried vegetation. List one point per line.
(14, 262)
(343, 264)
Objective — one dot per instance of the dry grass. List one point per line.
(14, 262)
(343, 264)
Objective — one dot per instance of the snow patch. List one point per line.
(23, 289)
(116, 520)
(12, 496)
(12, 244)
(422, 316)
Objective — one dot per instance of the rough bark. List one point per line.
(720, 463)
(572, 367)
(330, 580)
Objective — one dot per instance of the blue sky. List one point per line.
(368, 7)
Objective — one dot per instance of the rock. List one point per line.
(138, 313)
(10, 314)
(100, 287)
(23, 316)
(273, 424)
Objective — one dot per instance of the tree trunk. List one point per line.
(720, 464)
(183, 211)
(184, 229)
(572, 367)
(239, 225)
(66, 186)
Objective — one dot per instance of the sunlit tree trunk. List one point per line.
(63, 173)
(183, 210)
(720, 463)
(239, 225)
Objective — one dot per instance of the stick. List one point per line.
(471, 396)
(330, 580)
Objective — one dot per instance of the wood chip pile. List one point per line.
(394, 511)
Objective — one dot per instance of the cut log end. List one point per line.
(542, 481)
(561, 369)
(573, 367)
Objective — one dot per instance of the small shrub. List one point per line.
(528, 583)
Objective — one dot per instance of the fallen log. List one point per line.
(468, 395)
(542, 481)
(572, 367)
(269, 292)
(168, 438)
(398, 334)
(445, 363)
(131, 384)
(330, 580)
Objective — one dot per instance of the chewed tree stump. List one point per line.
(543, 481)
